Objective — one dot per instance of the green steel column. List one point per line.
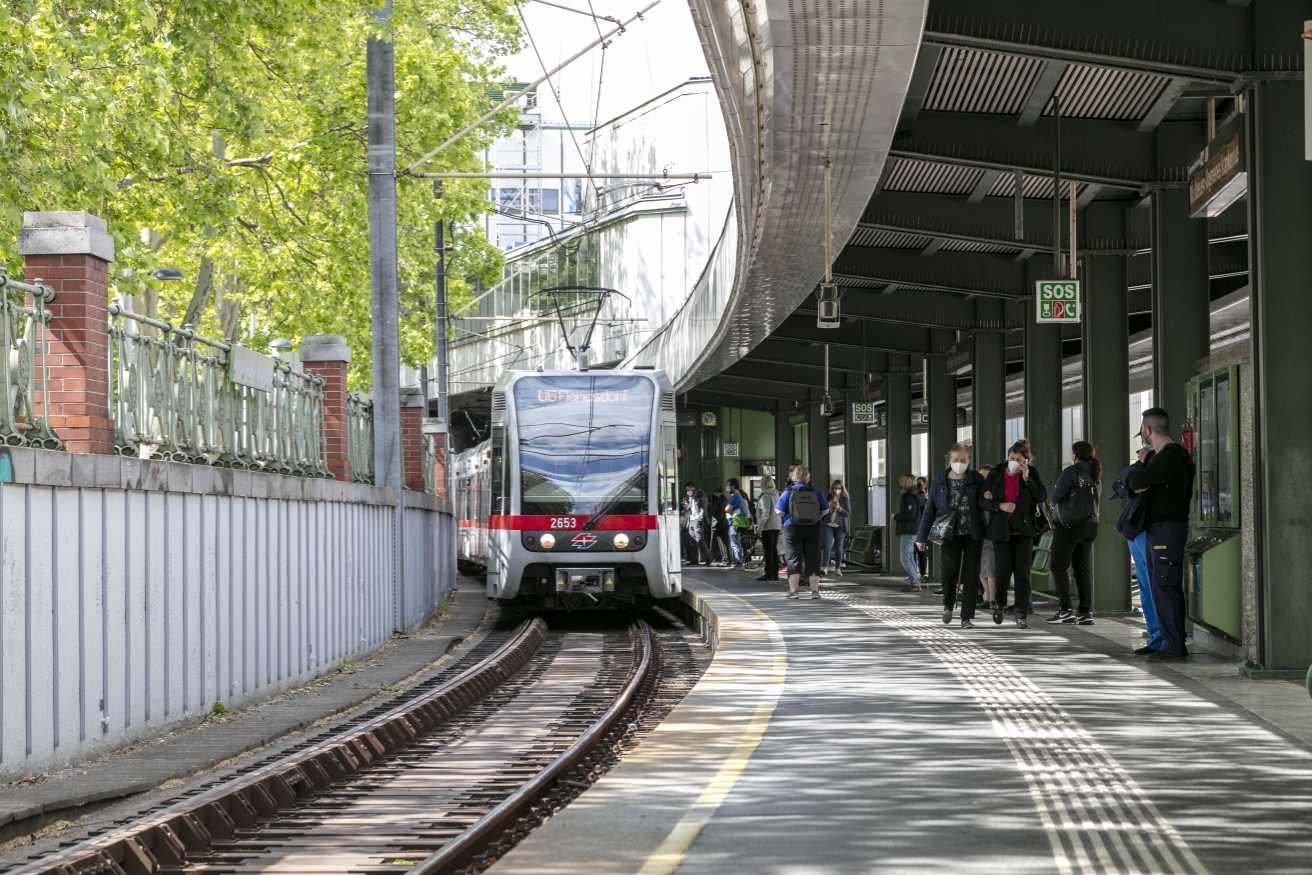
(1043, 388)
(784, 452)
(941, 388)
(1106, 395)
(1181, 295)
(988, 389)
(1280, 260)
(897, 402)
(818, 437)
(857, 475)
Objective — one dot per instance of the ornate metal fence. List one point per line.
(24, 370)
(360, 438)
(171, 396)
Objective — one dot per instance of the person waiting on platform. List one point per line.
(718, 512)
(769, 524)
(1014, 496)
(1072, 538)
(801, 507)
(1130, 526)
(834, 530)
(695, 502)
(923, 483)
(1168, 482)
(909, 510)
(740, 518)
(955, 512)
(987, 567)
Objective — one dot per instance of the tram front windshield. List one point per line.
(584, 444)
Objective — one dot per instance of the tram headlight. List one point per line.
(547, 540)
(621, 541)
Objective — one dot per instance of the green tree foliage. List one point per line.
(228, 138)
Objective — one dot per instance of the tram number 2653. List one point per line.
(564, 522)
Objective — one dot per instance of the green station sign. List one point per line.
(863, 411)
(1057, 301)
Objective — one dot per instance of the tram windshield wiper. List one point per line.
(616, 497)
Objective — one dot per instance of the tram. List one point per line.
(572, 502)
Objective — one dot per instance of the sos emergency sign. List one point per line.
(1058, 300)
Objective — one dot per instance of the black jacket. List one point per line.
(1169, 477)
(909, 512)
(1030, 496)
(1070, 478)
(937, 505)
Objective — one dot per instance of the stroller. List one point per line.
(751, 541)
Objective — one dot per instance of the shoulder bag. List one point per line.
(1080, 504)
(943, 527)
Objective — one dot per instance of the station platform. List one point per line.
(859, 734)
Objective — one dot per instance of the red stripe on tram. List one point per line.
(570, 523)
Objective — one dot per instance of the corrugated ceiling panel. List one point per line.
(968, 246)
(1095, 92)
(931, 177)
(970, 81)
(1035, 186)
(887, 239)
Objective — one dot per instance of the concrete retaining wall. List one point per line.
(132, 599)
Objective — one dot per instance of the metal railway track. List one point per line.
(444, 778)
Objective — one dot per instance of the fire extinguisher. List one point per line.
(1187, 435)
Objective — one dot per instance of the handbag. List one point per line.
(1042, 518)
(1079, 506)
(943, 526)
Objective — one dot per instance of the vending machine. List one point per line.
(1213, 554)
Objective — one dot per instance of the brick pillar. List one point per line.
(71, 253)
(328, 356)
(412, 438)
(437, 430)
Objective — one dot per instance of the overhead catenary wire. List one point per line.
(409, 171)
(592, 14)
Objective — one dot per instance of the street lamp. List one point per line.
(167, 274)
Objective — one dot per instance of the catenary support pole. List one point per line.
(941, 389)
(1106, 390)
(380, 61)
(785, 454)
(1181, 300)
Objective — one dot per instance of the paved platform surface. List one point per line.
(174, 757)
(859, 734)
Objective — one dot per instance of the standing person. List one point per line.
(958, 491)
(1130, 525)
(834, 530)
(1168, 482)
(907, 518)
(801, 507)
(769, 524)
(696, 504)
(1013, 496)
(740, 517)
(987, 565)
(1074, 543)
(922, 557)
(718, 508)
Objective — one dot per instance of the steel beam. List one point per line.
(986, 180)
(1106, 388)
(921, 76)
(856, 469)
(897, 451)
(1043, 361)
(941, 392)
(1181, 321)
(968, 273)
(1163, 104)
(1042, 92)
(817, 435)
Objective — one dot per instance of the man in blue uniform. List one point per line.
(1168, 481)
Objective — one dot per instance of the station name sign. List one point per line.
(1218, 176)
(1057, 301)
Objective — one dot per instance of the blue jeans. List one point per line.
(736, 544)
(910, 562)
(833, 542)
(1139, 552)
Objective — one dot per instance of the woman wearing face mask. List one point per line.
(1013, 496)
(769, 524)
(958, 491)
(835, 528)
(1075, 543)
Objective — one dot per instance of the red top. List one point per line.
(1011, 486)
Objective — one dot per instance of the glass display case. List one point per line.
(1214, 550)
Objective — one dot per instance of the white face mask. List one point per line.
(959, 467)
(1013, 467)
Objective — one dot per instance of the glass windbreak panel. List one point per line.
(1224, 449)
(1207, 450)
(584, 444)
